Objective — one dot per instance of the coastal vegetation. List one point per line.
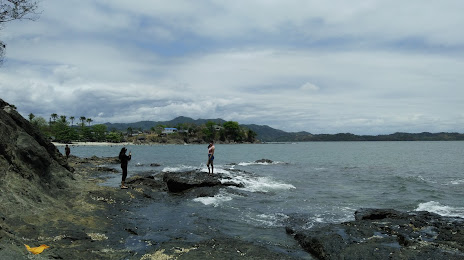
(62, 129)
(65, 129)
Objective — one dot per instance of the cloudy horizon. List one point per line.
(364, 67)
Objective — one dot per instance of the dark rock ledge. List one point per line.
(385, 234)
(181, 181)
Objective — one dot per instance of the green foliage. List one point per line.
(232, 131)
(114, 137)
(251, 136)
(99, 132)
(60, 129)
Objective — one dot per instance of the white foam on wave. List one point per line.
(258, 184)
(258, 163)
(215, 201)
(455, 182)
(268, 220)
(438, 208)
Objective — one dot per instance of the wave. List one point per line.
(436, 207)
(257, 184)
(455, 182)
(250, 183)
(268, 220)
(216, 200)
(259, 163)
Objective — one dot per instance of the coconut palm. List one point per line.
(31, 116)
(54, 116)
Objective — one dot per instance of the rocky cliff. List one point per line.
(33, 177)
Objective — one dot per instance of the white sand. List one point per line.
(92, 144)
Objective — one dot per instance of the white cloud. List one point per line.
(309, 87)
(363, 67)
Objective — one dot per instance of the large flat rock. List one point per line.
(181, 181)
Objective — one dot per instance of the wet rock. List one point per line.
(155, 165)
(94, 160)
(264, 161)
(386, 234)
(106, 169)
(153, 182)
(181, 181)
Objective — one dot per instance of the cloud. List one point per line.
(309, 87)
(362, 67)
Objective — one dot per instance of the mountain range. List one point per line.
(268, 134)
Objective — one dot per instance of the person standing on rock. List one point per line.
(67, 151)
(124, 161)
(211, 157)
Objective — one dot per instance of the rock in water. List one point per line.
(181, 181)
(386, 234)
(264, 161)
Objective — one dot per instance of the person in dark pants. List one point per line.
(124, 160)
(68, 151)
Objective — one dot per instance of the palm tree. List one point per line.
(82, 118)
(72, 120)
(89, 120)
(31, 116)
(63, 119)
(54, 116)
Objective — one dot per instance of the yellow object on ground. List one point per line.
(36, 250)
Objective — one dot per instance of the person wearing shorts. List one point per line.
(211, 157)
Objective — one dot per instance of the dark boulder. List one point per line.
(264, 161)
(181, 181)
(386, 234)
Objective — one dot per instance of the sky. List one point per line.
(335, 66)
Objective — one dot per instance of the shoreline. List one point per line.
(92, 144)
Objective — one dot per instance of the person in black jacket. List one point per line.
(124, 160)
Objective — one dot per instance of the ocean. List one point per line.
(326, 182)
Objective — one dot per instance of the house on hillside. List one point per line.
(169, 130)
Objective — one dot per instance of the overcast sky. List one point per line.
(365, 67)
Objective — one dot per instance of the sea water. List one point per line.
(323, 181)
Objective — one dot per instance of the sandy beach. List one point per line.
(93, 144)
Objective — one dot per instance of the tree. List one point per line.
(72, 120)
(62, 131)
(114, 137)
(89, 120)
(54, 116)
(100, 132)
(31, 117)
(11, 10)
(232, 131)
(82, 119)
(251, 136)
(63, 119)
(209, 131)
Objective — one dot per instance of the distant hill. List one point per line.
(268, 134)
(147, 125)
(264, 133)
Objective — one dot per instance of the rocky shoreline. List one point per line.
(46, 199)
